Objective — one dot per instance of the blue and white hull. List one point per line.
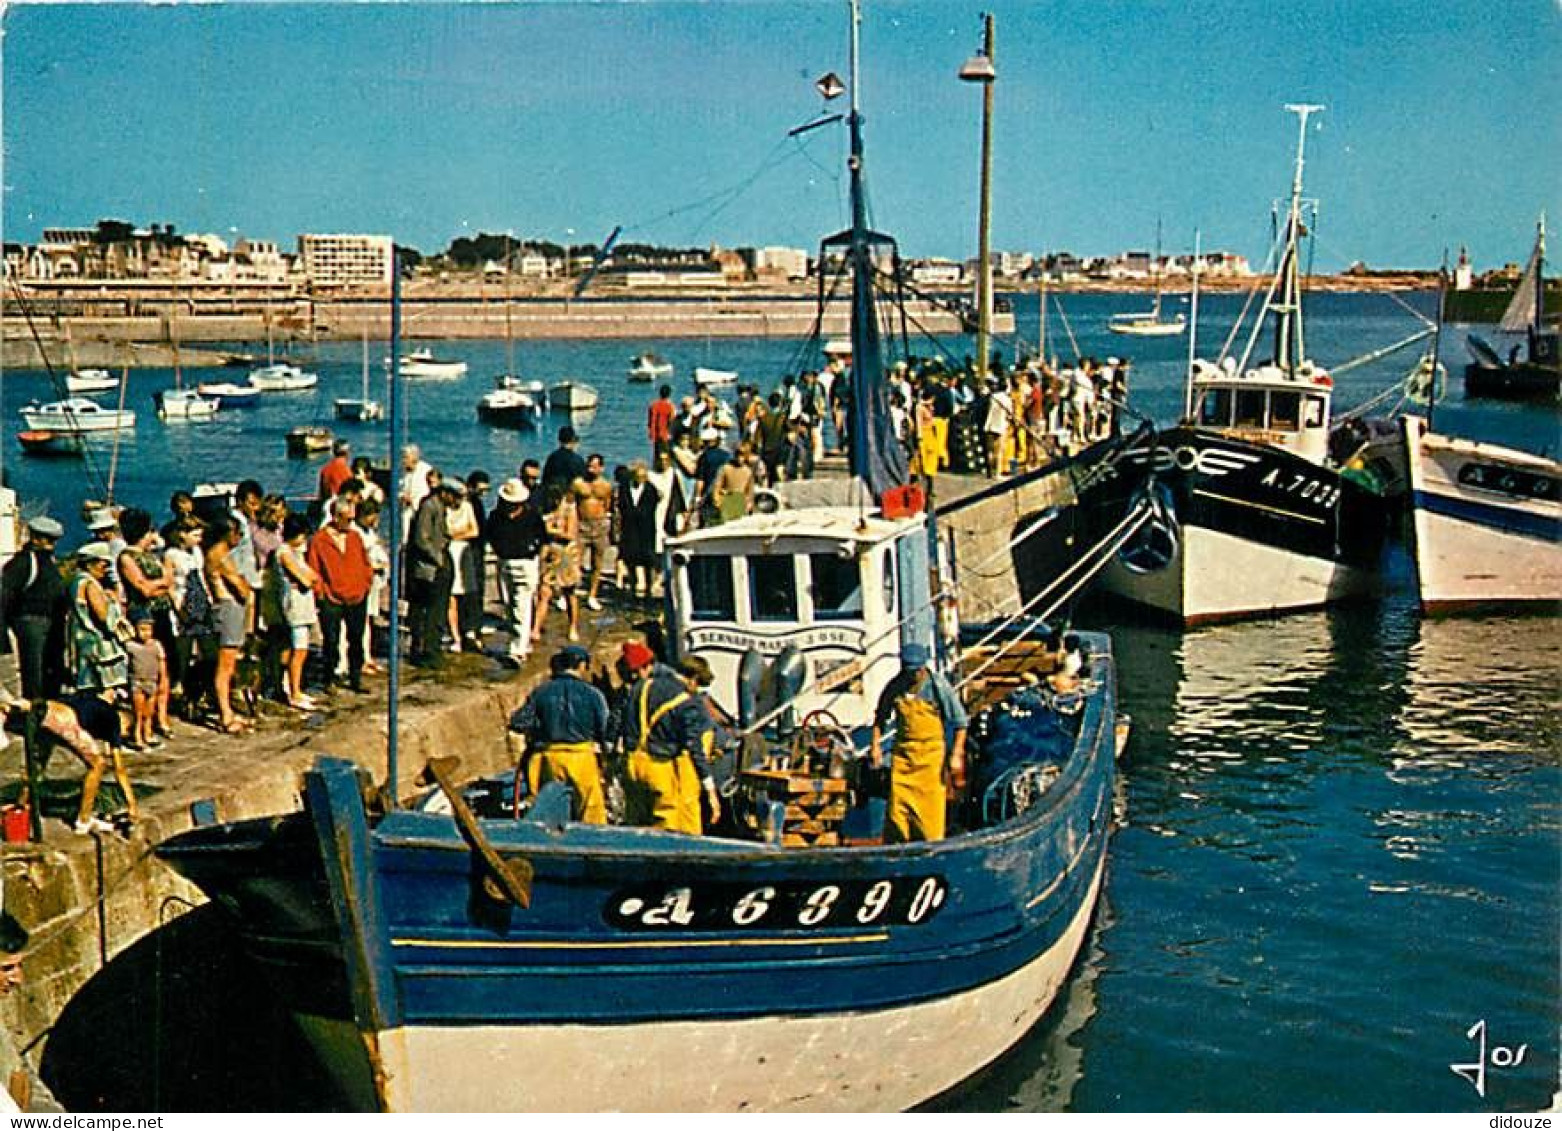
(1486, 520)
(658, 971)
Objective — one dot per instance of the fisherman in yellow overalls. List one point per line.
(564, 726)
(668, 736)
(925, 711)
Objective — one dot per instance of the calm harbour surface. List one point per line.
(1341, 846)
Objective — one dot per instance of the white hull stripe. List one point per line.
(883, 1060)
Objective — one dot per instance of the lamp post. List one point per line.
(980, 68)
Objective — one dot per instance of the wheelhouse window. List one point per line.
(837, 587)
(772, 588)
(1215, 408)
(710, 588)
(1250, 408)
(1285, 410)
(1314, 407)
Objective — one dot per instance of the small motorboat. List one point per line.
(184, 404)
(423, 365)
(514, 403)
(571, 396)
(230, 394)
(309, 439)
(357, 410)
(239, 360)
(282, 378)
(36, 443)
(648, 367)
(75, 415)
(706, 378)
(90, 381)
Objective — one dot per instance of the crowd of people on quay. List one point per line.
(193, 614)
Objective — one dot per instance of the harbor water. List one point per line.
(1337, 882)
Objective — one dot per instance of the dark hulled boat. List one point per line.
(1532, 369)
(1266, 522)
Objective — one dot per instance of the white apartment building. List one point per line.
(345, 260)
(791, 260)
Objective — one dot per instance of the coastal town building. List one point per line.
(790, 263)
(343, 260)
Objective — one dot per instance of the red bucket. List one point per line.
(16, 825)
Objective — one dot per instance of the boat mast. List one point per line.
(1437, 339)
(1540, 276)
(1193, 330)
(877, 457)
(1290, 345)
(397, 436)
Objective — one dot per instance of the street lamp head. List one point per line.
(978, 68)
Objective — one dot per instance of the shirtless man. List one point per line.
(594, 502)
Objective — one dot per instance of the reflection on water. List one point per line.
(1342, 850)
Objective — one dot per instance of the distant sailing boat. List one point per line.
(361, 408)
(180, 403)
(1148, 323)
(513, 402)
(1537, 375)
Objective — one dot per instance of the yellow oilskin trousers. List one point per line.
(661, 793)
(574, 764)
(941, 443)
(664, 793)
(916, 789)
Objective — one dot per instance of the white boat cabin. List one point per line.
(1267, 405)
(829, 582)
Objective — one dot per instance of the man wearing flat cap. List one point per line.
(31, 607)
(564, 727)
(929, 719)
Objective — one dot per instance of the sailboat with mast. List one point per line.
(500, 955)
(361, 409)
(1268, 523)
(514, 401)
(180, 403)
(1149, 323)
(1532, 369)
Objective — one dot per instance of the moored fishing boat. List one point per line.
(231, 394)
(75, 415)
(49, 443)
(1533, 369)
(706, 378)
(423, 365)
(648, 367)
(1486, 522)
(308, 439)
(504, 956)
(1268, 524)
(90, 381)
(184, 404)
(281, 377)
(514, 402)
(571, 396)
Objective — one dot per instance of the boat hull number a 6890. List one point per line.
(784, 905)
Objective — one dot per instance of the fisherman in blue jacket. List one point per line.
(564, 724)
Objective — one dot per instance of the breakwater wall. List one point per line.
(136, 339)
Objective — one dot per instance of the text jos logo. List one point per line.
(1500, 1056)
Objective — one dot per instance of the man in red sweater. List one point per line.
(337, 472)
(341, 563)
(659, 420)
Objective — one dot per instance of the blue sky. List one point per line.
(432, 121)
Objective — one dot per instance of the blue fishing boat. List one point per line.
(477, 949)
